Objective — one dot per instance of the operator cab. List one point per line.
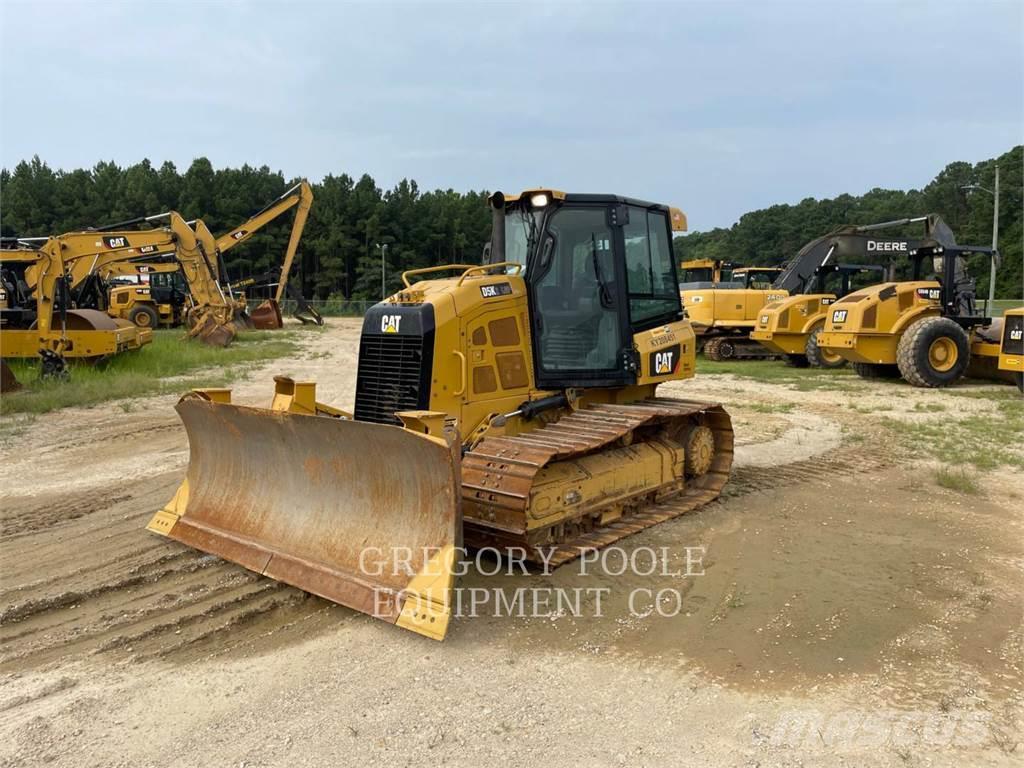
(755, 278)
(598, 269)
(168, 288)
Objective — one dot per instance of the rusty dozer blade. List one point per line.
(365, 515)
(267, 316)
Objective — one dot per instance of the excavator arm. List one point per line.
(858, 242)
(300, 195)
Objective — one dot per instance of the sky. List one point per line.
(718, 108)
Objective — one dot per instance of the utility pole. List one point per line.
(995, 234)
(383, 270)
(995, 245)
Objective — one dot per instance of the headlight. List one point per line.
(539, 201)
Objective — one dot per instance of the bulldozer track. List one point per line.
(498, 474)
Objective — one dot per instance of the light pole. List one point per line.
(383, 270)
(995, 234)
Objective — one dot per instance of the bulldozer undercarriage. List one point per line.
(594, 476)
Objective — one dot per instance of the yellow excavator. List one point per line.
(163, 300)
(41, 322)
(724, 312)
(703, 273)
(512, 404)
(44, 279)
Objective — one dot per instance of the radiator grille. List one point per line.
(390, 377)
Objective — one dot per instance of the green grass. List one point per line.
(777, 372)
(146, 371)
(957, 480)
(984, 441)
(772, 407)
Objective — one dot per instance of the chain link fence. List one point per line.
(331, 307)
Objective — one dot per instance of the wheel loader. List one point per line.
(921, 329)
(511, 404)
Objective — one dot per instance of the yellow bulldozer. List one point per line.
(920, 329)
(511, 404)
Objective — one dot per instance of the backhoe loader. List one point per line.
(921, 329)
(159, 299)
(512, 405)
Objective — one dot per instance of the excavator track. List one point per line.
(500, 474)
(720, 348)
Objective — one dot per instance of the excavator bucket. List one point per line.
(267, 316)
(211, 331)
(8, 381)
(365, 515)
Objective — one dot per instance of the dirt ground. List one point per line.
(849, 612)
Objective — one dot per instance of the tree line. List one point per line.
(771, 235)
(354, 223)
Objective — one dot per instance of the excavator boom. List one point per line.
(300, 197)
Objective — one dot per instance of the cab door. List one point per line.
(578, 313)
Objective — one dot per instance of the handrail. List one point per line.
(463, 373)
(482, 267)
(469, 269)
(426, 270)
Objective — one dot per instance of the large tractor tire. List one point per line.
(819, 357)
(933, 352)
(1019, 378)
(144, 316)
(872, 371)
